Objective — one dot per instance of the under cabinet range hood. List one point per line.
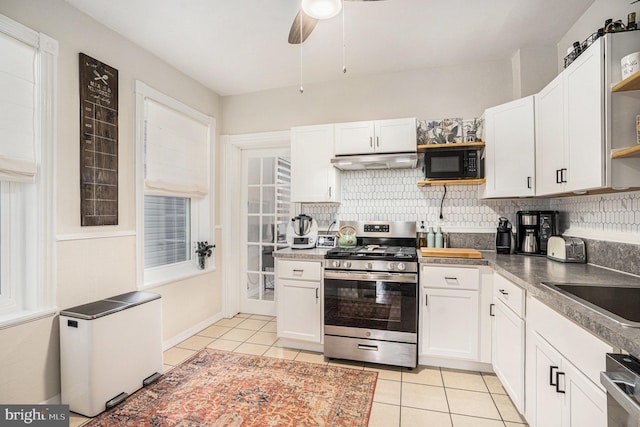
(376, 161)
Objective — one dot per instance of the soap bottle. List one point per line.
(439, 239)
(422, 236)
(431, 238)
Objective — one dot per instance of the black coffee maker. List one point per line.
(503, 236)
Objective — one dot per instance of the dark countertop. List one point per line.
(530, 272)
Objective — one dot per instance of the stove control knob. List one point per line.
(347, 264)
(391, 266)
(335, 264)
(401, 266)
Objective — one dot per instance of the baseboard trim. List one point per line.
(167, 344)
(55, 400)
(466, 365)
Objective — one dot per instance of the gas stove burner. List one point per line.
(373, 252)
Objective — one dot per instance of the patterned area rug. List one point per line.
(219, 388)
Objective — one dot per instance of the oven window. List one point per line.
(445, 164)
(370, 304)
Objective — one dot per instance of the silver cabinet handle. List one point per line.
(426, 300)
(329, 191)
(367, 347)
(371, 141)
(378, 141)
(317, 295)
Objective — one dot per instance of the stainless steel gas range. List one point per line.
(370, 296)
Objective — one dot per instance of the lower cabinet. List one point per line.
(452, 324)
(509, 338)
(299, 300)
(562, 367)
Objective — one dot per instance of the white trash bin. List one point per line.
(109, 349)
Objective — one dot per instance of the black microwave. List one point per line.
(453, 163)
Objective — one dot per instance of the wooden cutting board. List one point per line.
(451, 252)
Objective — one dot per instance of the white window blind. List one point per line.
(167, 228)
(17, 110)
(176, 153)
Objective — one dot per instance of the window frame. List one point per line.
(28, 256)
(202, 209)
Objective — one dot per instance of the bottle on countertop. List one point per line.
(422, 236)
(439, 238)
(431, 238)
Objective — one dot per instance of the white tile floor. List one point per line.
(426, 396)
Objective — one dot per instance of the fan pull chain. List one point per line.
(344, 48)
(301, 43)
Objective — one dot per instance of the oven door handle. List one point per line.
(610, 381)
(387, 277)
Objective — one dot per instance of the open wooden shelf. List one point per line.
(626, 152)
(423, 147)
(452, 181)
(630, 83)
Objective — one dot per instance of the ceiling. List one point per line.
(240, 46)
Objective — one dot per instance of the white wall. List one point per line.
(104, 265)
(461, 91)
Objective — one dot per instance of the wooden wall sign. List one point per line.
(98, 142)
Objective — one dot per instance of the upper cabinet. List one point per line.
(313, 178)
(510, 148)
(579, 122)
(380, 136)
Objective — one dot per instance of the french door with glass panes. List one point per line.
(267, 210)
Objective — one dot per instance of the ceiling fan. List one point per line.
(311, 12)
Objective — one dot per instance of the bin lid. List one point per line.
(93, 310)
(135, 297)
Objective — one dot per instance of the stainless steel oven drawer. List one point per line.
(383, 352)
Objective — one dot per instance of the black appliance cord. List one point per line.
(443, 196)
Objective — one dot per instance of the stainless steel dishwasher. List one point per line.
(622, 381)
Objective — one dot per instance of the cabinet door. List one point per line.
(449, 323)
(354, 138)
(299, 310)
(544, 404)
(313, 178)
(510, 161)
(508, 352)
(395, 136)
(584, 104)
(585, 403)
(550, 130)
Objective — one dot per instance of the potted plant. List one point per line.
(204, 252)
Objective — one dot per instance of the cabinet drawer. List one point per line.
(301, 270)
(450, 277)
(510, 294)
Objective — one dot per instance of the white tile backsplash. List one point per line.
(394, 195)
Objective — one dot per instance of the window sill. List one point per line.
(25, 316)
(161, 277)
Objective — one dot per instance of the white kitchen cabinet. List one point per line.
(510, 149)
(563, 364)
(509, 338)
(449, 313)
(549, 106)
(380, 136)
(579, 122)
(299, 301)
(313, 178)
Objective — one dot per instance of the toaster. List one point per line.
(566, 249)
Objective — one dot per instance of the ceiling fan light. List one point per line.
(321, 9)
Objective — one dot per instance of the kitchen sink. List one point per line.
(620, 303)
